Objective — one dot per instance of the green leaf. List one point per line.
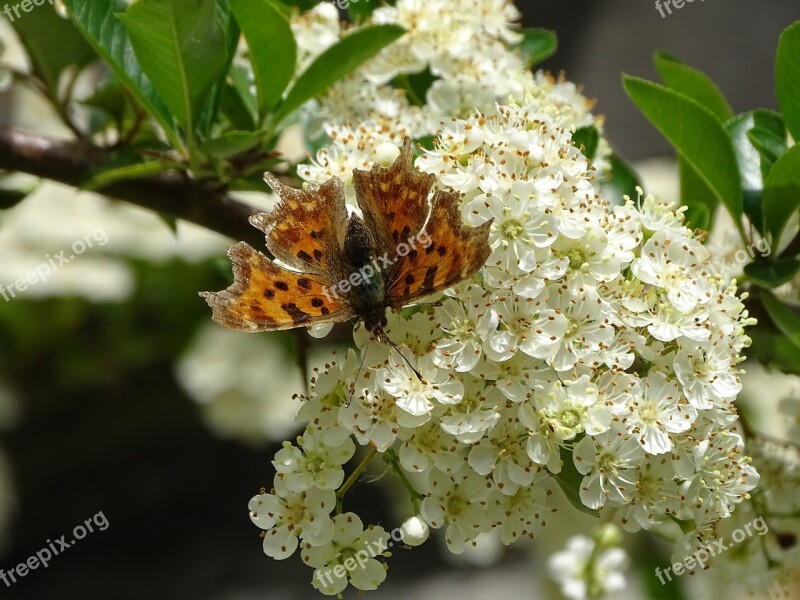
(181, 46)
(587, 139)
(537, 45)
(426, 141)
(232, 143)
(358, 9)
(416, 85)
(787, 78)
(774, 350)
(782, 193)
(208, 118)
(53, 44)
(692, 83)
(771, 275)
(785, 317)
(114, 175)
(699, 199)
(697, 135)
(273, 50)
(335, 63)
(303, 5)
(242, 80)
(97, 22)
(748, 161)
(769, 145)
(622, 181)
(570, 481)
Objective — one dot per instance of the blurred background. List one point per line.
(119, 395)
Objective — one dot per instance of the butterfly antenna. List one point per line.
(358, 372)
(408, 362)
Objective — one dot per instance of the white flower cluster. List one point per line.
(590, 567)
(597, 347)
(595, 337)
(466, 47)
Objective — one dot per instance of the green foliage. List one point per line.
(181, 47)
(745, 162)
(622, 181)
(570, 480)
(273, 51)
(692, 83)
(772, 274)
(97, 21)
(785, 317)
(782, 193)
(51, 59)
(696, 134)
(538, 45)
(787, 78)
(587, 138)
(335, 63)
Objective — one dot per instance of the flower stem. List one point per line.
(391, 458)
(352, 479)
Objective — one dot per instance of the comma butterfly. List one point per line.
(342, 266)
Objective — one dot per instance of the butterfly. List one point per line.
(339, 265)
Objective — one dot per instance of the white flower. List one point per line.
(609, 462)
(520, 512)
(527, 325)
(476, 413)
(314, 464)
(286, 516)
(588, 328)
(461, 503)
(707, 374)
(503, 455)
(414, 395)
(673, 263)
(589, 256)
(583, 572)
(466, 322)
(660, 412)
(348, 557)
(716, 475)
(429, 446)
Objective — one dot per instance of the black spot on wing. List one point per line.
(282, 286)
(430, 275)
(298, 315)
(304, 283)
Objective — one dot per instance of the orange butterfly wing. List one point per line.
(455, 253)
(266, 297)
(305, 228)
(394, 200)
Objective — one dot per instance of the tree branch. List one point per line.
(69, 162)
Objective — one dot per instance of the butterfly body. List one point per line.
(361, 255)
(334, 266)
